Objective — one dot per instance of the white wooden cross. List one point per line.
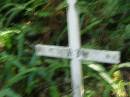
(74, 52)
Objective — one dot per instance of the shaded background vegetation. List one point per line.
(105, 24)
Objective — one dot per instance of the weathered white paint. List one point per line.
(102, 56)
(74, 44)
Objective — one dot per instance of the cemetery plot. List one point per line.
(74, 52)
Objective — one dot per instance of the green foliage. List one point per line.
(105, 24)
(5, 37)
(8, 93)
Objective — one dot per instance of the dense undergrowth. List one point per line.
(105, 24)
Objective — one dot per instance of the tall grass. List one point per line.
(24, 23)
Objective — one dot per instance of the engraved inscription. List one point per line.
(82, 54)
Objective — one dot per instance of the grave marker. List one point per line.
(74, 52)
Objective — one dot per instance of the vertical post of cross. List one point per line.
(74, 44)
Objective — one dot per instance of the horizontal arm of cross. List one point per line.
(102, 56)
